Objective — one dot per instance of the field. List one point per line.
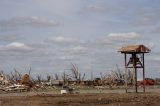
(85, 98)
(131, 99)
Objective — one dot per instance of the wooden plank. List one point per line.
(126, 86)
(144, 90)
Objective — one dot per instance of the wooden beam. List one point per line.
(134, 67)
(144, 90)
(136, 80)
(126, 85)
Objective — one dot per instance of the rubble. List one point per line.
(25, 80)
(12, 85)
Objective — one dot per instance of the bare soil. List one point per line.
(98, 99)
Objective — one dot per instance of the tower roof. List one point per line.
(134, 49)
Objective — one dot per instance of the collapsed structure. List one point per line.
(22, 84)
(3, 79)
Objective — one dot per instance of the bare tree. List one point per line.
(15, 76)
(121, 75)
(29, 71)
(48, 78)
(130, 77)
(65, 78)
(56, 76)
(39, 78)
(117, 77)
(76, 74)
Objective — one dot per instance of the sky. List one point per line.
(49, 35)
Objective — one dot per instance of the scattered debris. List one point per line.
(66, 90)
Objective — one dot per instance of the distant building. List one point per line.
(3, 79)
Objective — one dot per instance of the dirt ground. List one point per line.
(98, 99)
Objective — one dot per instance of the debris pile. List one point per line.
(15, 82)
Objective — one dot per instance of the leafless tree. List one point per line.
(39, 78)
(76, 74)
(15, 76)
(130, 77)
(48, 78)
(29, 71)
(1, 72)
(119, 75)
(65, 78)
(56, 76)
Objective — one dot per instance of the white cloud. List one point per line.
(62, 40)
(119, 36)
(144, 22)
(118, 39)
(27, 21)
(79, 48)
(146, 19)
(74, 50)
(95, 8)
(16, 46)
(66, 57)
(150, 45)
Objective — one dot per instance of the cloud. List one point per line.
(9, 37)
(144, 22)
(150, 45)
(62, 40)
(102, 8)
(16, 47)
(69, 45)
(115, 40)
(73, 46)
(66, 58)
(120, 36)
(146, 18)
(156, 30)
(95, 8)
(27, 21)
(76, 50)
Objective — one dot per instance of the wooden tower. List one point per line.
(134, 59)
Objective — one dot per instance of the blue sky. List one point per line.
(49, 35)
